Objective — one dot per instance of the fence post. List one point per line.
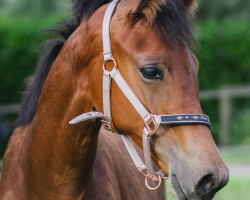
(225, 111)
(10, 108)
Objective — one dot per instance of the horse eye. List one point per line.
(152, 73)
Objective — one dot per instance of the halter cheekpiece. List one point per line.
(151, 122)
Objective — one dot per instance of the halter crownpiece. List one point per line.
(151, 122)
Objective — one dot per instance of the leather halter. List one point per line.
(151, 122)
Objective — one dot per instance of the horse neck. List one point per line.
(61, 155)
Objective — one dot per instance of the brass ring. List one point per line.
(153, 188)
(105, 61)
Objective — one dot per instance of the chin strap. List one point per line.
(151, 122)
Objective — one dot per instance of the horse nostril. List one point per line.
(205, 185)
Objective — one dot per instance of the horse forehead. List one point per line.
(144, 44)
(140, 39)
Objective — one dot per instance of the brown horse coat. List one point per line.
(114, 174)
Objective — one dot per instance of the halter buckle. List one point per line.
(109, 126)
(151, 125)
(142, 171)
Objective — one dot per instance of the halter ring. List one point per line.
(153, 188)
(111, 59)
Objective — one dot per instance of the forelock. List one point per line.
(171, 19)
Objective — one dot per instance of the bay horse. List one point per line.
(50, 158)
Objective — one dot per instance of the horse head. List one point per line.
(150, 43)
(144, 87)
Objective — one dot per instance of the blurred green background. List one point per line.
(223, 51)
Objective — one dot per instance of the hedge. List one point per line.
(19, 51)
(224, 59)
(224, 53)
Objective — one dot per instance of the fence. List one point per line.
(9, 108)
(223, 94)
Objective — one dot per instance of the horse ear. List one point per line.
(191, 5)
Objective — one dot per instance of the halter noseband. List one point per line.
(151, 122)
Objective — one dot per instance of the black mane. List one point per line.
(171, 23)
(175, 24)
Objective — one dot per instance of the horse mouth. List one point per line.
(176, 188)
(180, 195)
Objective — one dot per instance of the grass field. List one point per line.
(237, 189)
(236, 155)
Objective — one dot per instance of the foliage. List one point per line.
(38, 8)
(21, 35)
(223, 53)
(240, 129)
(237, 188)
(223, 10)
(19, 49)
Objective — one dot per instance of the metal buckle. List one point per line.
(109, 126)
(151, 125)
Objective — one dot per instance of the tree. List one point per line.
(223, 9)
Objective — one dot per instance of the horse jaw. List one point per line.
(193, 162)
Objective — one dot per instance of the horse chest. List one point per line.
(114, 176)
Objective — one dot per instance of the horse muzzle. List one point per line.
(204, 189)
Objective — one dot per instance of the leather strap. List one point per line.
(146, 151)
(133, 153)
(106, 94)
(183, 119)
(87, 116)
(107, 52)
(127, 91)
